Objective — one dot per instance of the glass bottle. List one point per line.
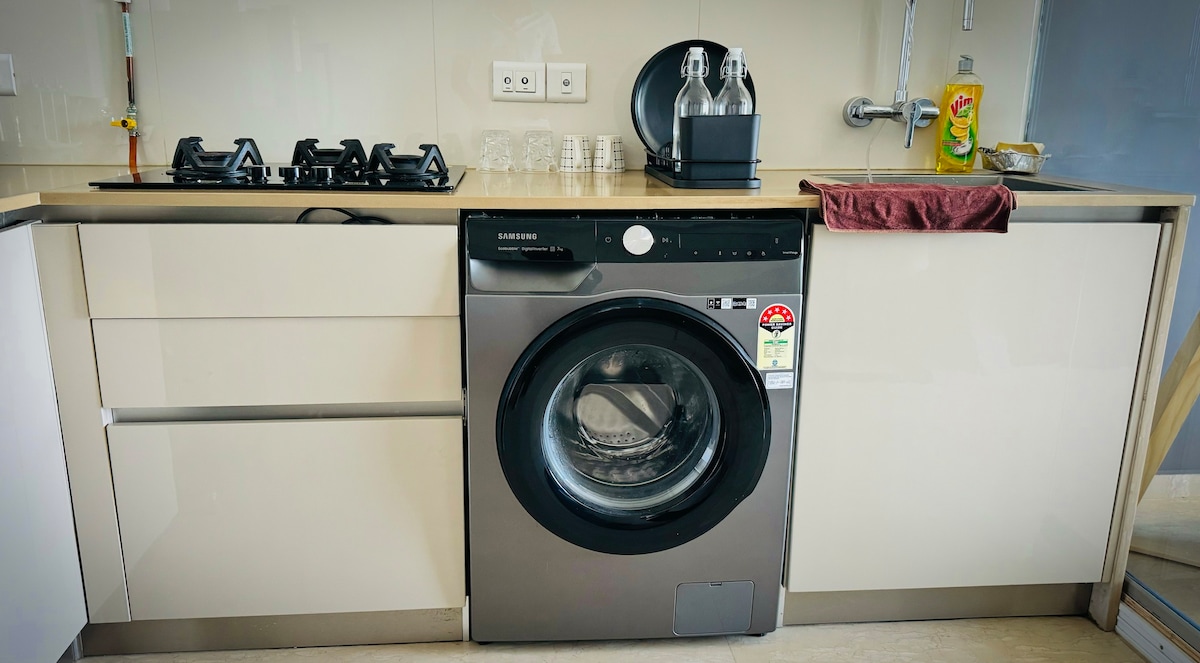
(734, 98)
(694, 99)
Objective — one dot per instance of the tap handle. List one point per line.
(911, 113)
(916, 113)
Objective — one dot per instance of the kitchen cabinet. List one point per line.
(41, 592)
(207, 497)
(963, 405)
(229, 519)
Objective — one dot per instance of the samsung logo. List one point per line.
(516, 235)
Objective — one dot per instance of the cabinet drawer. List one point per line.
(277, 361)
(290, 517)
(224, 271)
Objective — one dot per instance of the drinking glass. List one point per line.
(537, 151)
(495, 153)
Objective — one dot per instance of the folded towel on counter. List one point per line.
(934, 208)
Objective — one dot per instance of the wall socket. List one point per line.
(8, 80)
(566, 82)
(518, 81)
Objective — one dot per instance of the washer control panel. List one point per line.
(698, 241)
(515, 236)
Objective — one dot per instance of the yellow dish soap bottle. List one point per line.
(958, 122)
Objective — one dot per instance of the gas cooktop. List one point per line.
(348, 168)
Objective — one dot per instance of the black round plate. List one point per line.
(659, 83)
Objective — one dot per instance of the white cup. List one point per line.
(610, 156)
(576, 155)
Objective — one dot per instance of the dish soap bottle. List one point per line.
(958, 123)
(734, 98)
(694, 98)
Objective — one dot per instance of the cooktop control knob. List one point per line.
(290, 174)
(259, 174)
(638, 240)
(323, 174)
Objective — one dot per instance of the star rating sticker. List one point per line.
(781, 311)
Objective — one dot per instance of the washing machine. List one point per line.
(631, 394)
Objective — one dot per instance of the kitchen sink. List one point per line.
(1016, 183)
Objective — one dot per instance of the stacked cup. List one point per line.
(576, 154)
(610, 156)
(577, 157)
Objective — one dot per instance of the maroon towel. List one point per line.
(933, 208)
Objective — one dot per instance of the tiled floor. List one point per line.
(1025, 640)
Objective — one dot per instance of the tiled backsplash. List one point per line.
(413, 71)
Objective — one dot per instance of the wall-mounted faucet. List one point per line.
(861, 111)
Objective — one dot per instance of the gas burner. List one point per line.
(347, 163)
(193, 163)
(398, 167)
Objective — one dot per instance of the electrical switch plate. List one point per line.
(567, 82)
(518, 81)
(8, 81)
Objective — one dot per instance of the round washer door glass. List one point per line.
(633, 426)
(631, 429)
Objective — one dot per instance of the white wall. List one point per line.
(411, 71)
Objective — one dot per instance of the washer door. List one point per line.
(633, 426)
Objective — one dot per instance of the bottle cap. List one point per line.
(966, 63)
(695, 62)
(734, 64)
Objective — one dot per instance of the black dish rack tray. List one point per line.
(664, 170)
(717, 152)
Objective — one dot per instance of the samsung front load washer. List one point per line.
(630, 418)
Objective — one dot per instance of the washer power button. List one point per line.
(638, 240)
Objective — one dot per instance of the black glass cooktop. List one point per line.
(349, 167)
(163, 179)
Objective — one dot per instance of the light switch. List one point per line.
(568, 82)
(518, 81)
(526, 81)
(8, 80)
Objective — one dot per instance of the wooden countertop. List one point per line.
(24, 186)
(21, 186)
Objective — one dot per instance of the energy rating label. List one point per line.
(776, 338)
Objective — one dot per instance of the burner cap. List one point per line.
(192, 162)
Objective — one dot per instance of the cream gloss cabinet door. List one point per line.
(269, 270)
(278, 361)
(238, 519)
(41, 591)
(963, 404)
